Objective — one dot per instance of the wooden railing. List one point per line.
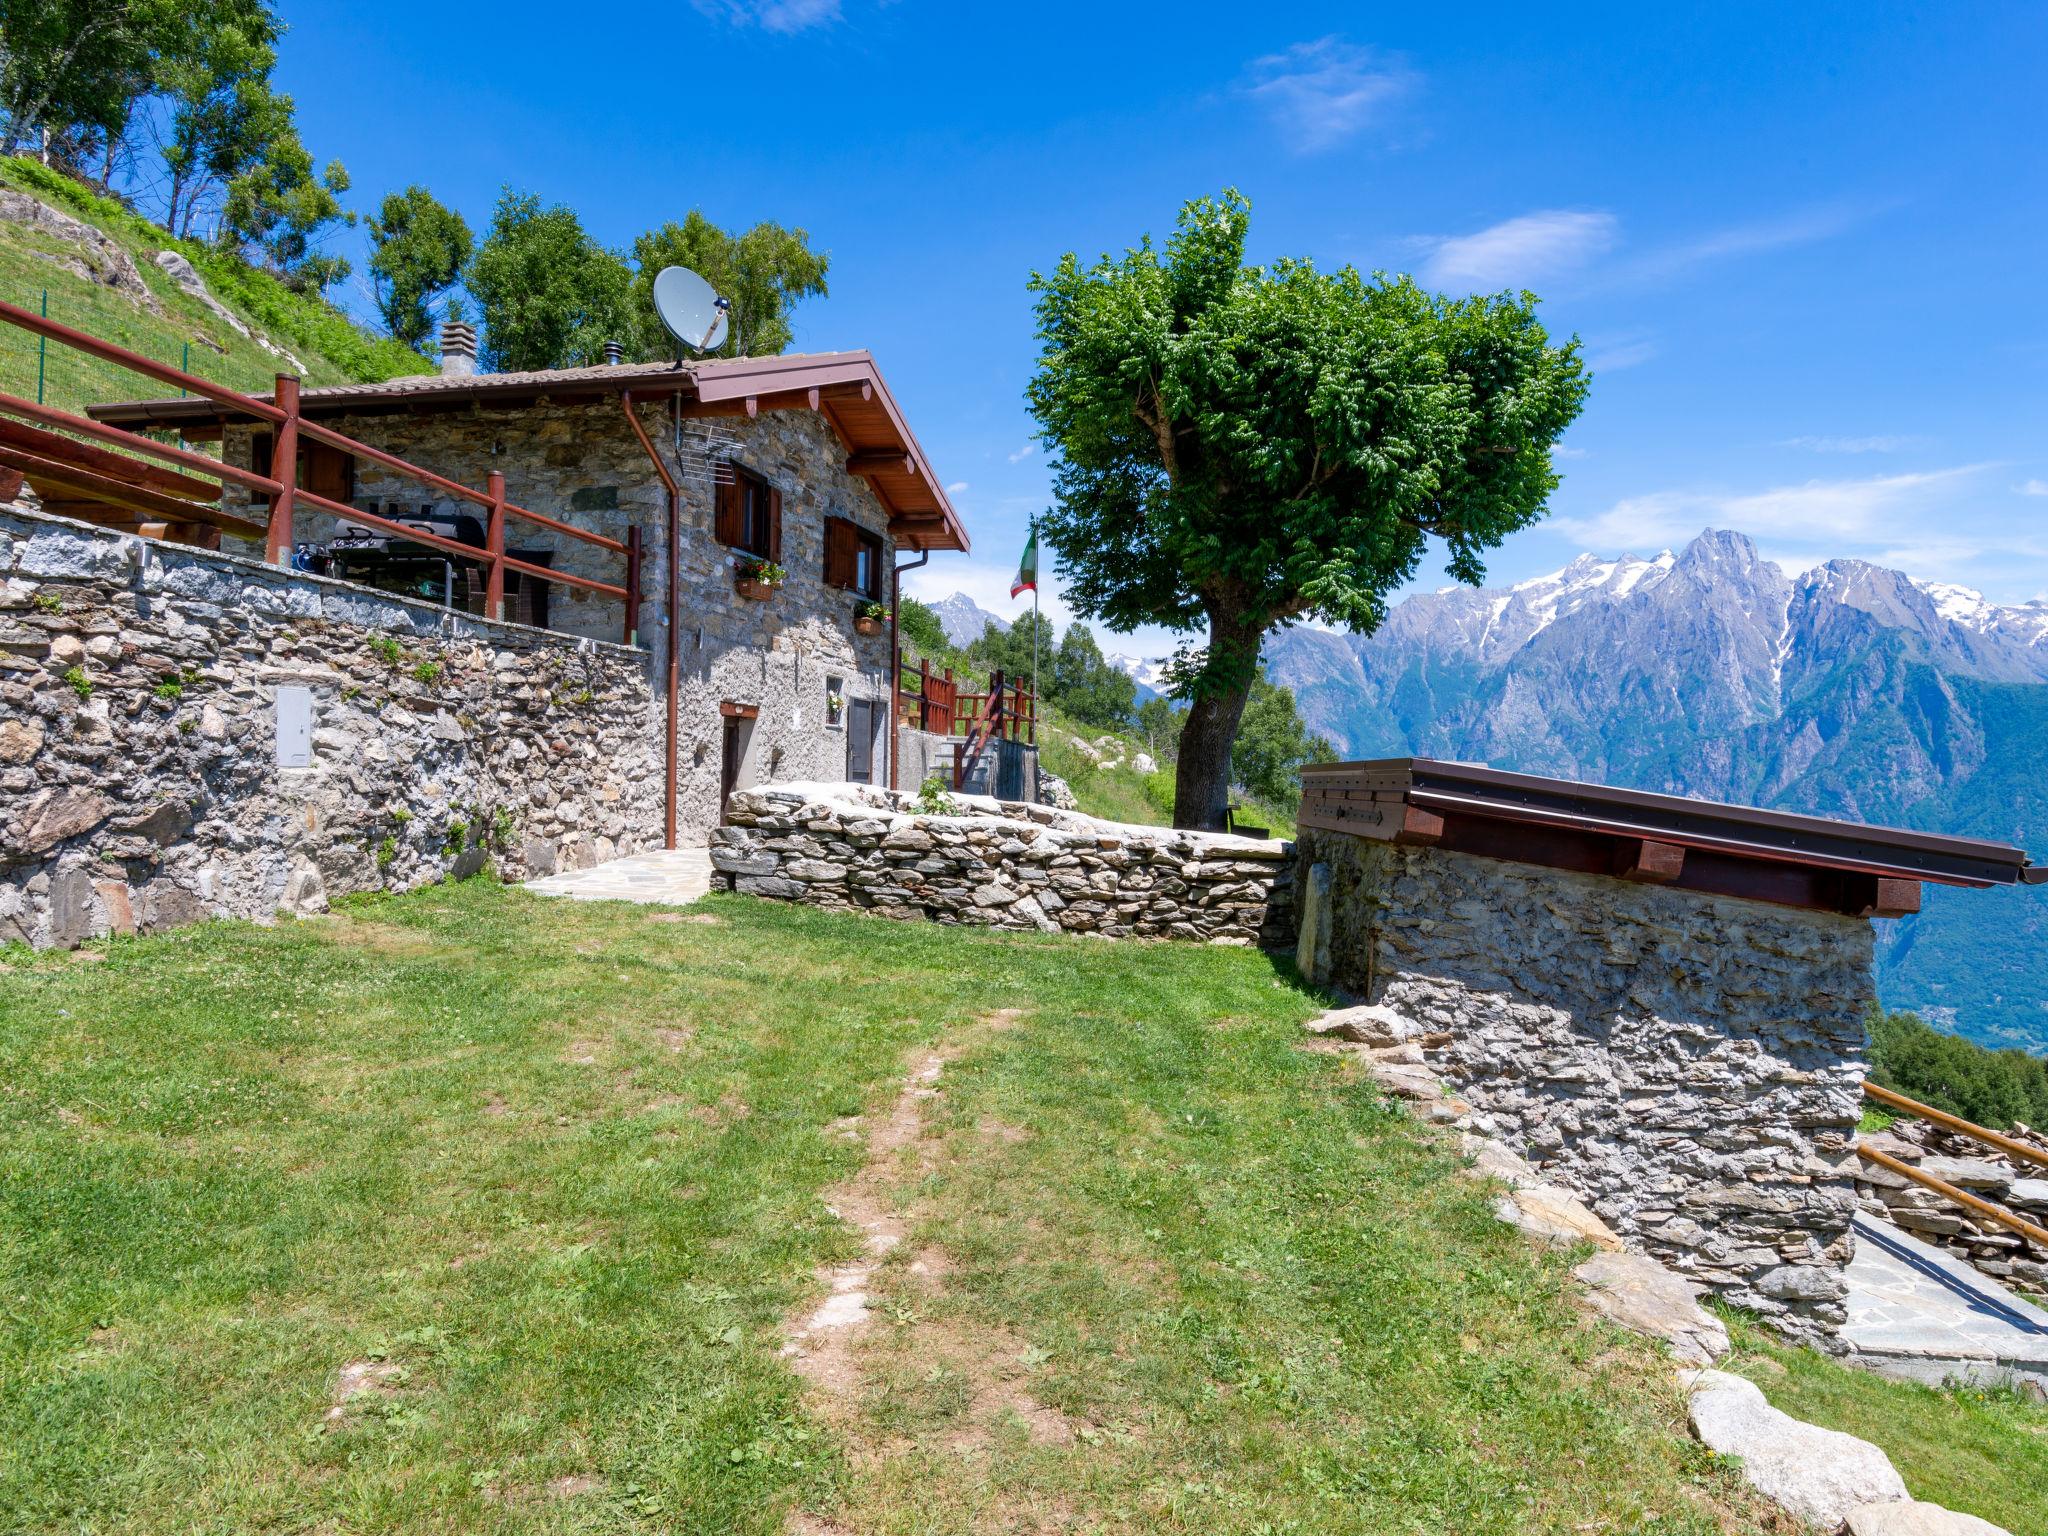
(932, 706)
(47, 451)
(1961, 1127)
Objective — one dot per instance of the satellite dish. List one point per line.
(691, 309)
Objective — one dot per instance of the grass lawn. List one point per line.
(1982, 1452)
(549, 1184)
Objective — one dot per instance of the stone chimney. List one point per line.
(458, 349)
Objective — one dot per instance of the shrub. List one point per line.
(1994, 1088)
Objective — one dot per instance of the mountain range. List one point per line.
(963, 621)
(1849, 690)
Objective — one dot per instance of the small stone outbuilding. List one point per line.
(1659, 1001)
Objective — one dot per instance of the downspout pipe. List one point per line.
(896, 655)
(674, 624)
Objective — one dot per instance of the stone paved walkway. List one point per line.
(672, 877)
(1920, 1314)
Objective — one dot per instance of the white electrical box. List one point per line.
(294, 727)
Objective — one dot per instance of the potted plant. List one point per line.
(869, 618)
(835, 706)
(757, 578)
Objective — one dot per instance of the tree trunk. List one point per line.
(1201, 779)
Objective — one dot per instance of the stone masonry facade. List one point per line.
(1003, 864)
(1690, 1066)
(142, 687)
(774, 665)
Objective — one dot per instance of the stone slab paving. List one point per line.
(1919, 1313)
(672, 877)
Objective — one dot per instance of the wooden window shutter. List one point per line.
(774, 523)
(729, 511)
(838, 552)
(329, 472)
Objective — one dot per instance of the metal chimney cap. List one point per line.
(614, 353)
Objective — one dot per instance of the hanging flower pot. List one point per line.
(758, 580)
(868, 619)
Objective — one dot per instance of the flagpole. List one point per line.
(1034, 628)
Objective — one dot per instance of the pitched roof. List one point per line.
(846, 387)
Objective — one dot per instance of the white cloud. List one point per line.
(1521, 250)
(1560, 451)
(772, 15)
(2032, 488)
(1801, 228)
(1882, 443)
(1319, 94)
(956, 487)
(1836, 514)
(1024, 453)
(1619, 352)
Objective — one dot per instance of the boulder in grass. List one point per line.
(1820, 1476)
(1556, 1216)
(1644, 1297)
(1909, 1517)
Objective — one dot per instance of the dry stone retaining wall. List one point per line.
(1002, 864)
(1690, 1066)
(141, 687)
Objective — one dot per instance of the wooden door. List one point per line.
(860, 740)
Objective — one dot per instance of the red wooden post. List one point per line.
(284, 469)
(633, 585)
(494, 547)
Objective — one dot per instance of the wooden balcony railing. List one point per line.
(49, 452)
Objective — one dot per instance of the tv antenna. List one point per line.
(691, 309)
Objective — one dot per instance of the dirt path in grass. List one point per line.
(826, 1343)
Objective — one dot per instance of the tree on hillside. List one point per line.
(1273, 743)
(551, 296)
(1241, 447)
(73, 69)
(1994, 1088)
(1011, 649)
(418, 248)
(764, 272)
(1159, 723)
(1086, 685)
(922, 629)
(279, 210)
(223, 112)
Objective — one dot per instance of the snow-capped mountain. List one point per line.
(1848, 690)
(963, 619)
(1148, 673)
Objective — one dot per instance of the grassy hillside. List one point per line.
(181, 331)
(473, 1211)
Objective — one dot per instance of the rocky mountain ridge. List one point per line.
(1848, 690)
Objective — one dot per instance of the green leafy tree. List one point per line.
(1995, 1088)
(223, 112)
(280, 210)
(74, 69)
(1012, 648)
(418, 248)
(1159, 722)
(1087, 686)
(922, 629)
(1238, 448)
(1273, 743)
(764, 272)
(551, 296)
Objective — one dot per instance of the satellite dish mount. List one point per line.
(692, 311)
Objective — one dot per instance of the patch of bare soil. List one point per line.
(361, 1378)
(705, 919)
(826, 1344)
(674, 1038)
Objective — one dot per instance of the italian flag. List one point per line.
(1027, 568)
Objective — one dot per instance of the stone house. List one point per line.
(802, 461)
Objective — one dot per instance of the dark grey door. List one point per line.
(861, 719)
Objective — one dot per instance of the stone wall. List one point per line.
(142, 687)
(781, 659)
(2019, 1186)
(1003, 865)
(1691, 1066)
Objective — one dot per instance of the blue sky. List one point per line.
(1803, 244)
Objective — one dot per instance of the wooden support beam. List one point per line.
(85, 485)
(59, 449)
(1896, 898)
(881, 462)
(1637, 858)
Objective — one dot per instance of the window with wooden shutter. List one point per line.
(727, 511)
(747, 515)
(839, 558)
(323, 470)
